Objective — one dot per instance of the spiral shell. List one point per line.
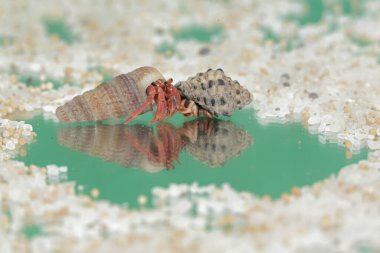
(216, 141)
(110, 143)
(118, 98)
(215, 92)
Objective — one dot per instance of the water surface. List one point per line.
(123, 162)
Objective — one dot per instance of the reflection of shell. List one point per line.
(110, 143)
(216, 142)
(211, 141)
(215, 92)
(107, 142)
(118, 98)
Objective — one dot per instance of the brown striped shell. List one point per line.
(110, 142)
(118, 98)
(215, 141)
(215, 92)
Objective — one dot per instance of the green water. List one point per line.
(202, 34)
(280, 157)
(58, 27)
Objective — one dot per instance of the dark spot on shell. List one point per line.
(277, 108)
(195, 87)
(237, 91)
(220, 82)
(213, 147)
(198, 99)
(213, 102)
(219, 69)
(203, 86)
(209, 70)
(222, 101)
(205, 101)
(210, 83)
(225, 132)
(238, 102)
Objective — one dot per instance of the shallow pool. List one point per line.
(125, 161)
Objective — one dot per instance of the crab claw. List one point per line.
(161, 106)
(151, 92)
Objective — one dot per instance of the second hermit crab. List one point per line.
(211, 93)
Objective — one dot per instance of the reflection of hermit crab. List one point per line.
(211, 141)
(211, 93)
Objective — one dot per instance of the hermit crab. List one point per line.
(210, 93)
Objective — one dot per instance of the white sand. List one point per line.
(328, 83)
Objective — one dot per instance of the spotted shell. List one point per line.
(215, 92)
(118, 98)
(213, 148)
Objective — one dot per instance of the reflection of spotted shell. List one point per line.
(219, 142)
(215, 92)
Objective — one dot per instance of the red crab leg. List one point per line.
(151, 92)
(172, 143)
(207, 126)
(147, 151)
(161, 105)
(177, 98)
(174, 105)
(162, 155)
(171, 107)
(136, 144)
(174, 98)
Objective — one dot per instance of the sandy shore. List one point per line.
(324, 75)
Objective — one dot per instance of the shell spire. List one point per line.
(118, 98)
